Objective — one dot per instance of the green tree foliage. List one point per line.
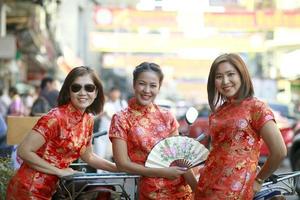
(6, 172)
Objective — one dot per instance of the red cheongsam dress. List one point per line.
(67, 133)
(230, 169)
(142, 127)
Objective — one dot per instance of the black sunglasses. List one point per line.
(88, 87)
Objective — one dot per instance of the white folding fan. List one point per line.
(180, 151)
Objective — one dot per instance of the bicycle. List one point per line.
(279, 186)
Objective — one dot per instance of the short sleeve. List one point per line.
(260, 114)
(118, 127)
(47, 126)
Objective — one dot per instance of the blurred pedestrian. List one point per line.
(3, 105)
(47, 98)
(58, 138)
(136, 129)
(114, 104)
(16, 107)
(28, 98)
(237, 124)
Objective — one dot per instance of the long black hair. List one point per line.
(64, 94)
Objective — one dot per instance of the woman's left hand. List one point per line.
(256, 186)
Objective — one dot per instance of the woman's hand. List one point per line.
(256, 186)
(124, 164)
(173, 172)
(96, 161)
(67, 172)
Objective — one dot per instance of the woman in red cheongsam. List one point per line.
(60, 137)
(237, 124)
(136, 129)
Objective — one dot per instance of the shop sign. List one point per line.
(133, 20)
(253, 20)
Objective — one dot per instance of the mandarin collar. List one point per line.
(229, 101)
(133, 104)
(75, 113)
(232, 100)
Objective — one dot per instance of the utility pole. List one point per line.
(2, 19)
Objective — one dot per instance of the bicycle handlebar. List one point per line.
(281, 177)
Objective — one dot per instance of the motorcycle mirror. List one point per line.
(191, 115)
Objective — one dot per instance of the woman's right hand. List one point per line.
(66, 172)
(173, 172)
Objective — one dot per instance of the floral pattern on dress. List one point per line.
(230, 168)
(142, 127)
(67, 133)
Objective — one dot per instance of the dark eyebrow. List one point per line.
(226, 72)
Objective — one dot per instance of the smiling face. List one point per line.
(146, 87)
(227, 80)
(82, 95)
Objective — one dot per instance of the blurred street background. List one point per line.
(40, 38)
(50, 37)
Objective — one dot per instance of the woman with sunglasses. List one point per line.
(60, 137)
(136, 129)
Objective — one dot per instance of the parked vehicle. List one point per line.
(285, 110)
(168, 104)
(294, 153)
(201, 126)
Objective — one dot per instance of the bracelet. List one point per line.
(259, 180)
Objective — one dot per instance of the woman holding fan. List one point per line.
(136, 129)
